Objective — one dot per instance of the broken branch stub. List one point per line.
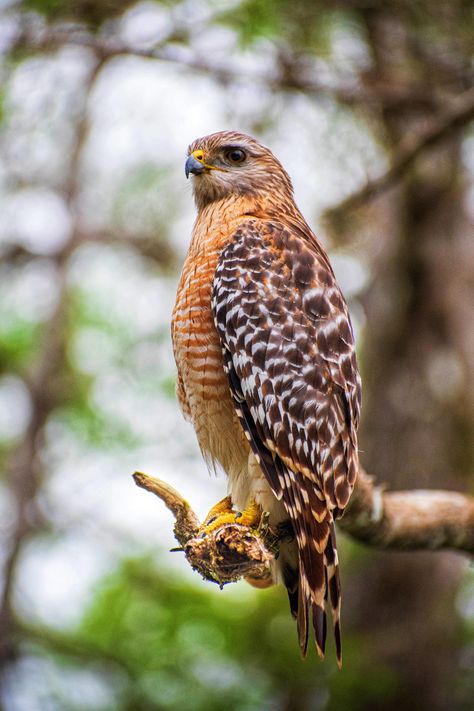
(223, 555)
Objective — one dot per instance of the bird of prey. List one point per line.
(267, 371)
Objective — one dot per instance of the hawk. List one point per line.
(267, 371)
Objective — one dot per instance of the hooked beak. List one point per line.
(194, 166)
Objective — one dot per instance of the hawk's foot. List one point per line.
(223, 513)
(251, 517)
(220, 514)
(222, 508)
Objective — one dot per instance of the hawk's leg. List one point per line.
(223, 513)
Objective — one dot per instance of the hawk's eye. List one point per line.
(236, 155)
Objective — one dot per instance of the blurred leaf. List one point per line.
(19, 341)
(303, 25)
(92, 12)
(168, 386)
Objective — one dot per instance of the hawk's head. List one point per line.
(230, 163)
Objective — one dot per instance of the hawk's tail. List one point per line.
(333, 589)
(316, 585)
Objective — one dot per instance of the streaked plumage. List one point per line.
(267, 371)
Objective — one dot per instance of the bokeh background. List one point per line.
(369, 105)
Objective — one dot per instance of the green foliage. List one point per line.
(176, 644)
(91, 427)
(18, 342)
(168, 386)
(309, 26)
(92, 12)
(49, 8)
(304, 25)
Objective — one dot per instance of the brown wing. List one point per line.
(289, 354)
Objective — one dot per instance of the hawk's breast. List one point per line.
(203, 387)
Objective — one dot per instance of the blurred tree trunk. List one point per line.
(418, 424)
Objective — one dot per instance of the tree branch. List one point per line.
(398, 520)
(187, 523)
(291, 73)
(44, 382)
(409, 520)
(221, 555)
(459, 114)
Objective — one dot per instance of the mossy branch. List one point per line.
(223, 555)
(397, 520)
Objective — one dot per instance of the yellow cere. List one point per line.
(199, 155)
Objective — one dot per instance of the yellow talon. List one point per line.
(252, 515)
(218, 522)
(220, 509)
(222, 513)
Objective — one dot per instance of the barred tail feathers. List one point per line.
(334, 588)
(318, 587)
(317, 572)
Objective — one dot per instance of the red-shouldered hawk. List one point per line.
(267, 371)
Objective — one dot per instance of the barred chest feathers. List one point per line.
(202, 385)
